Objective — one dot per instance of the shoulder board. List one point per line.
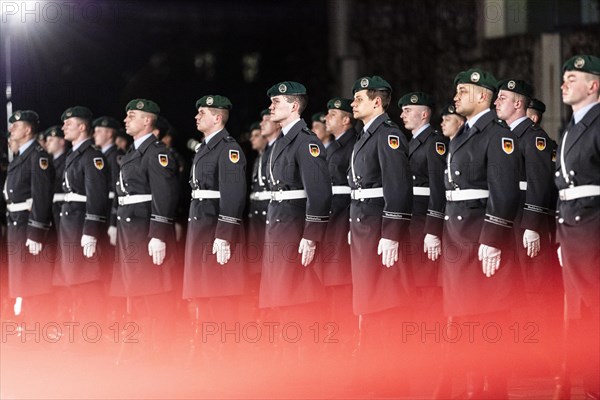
(502, 123)
(38, 148)
(536, 127)
(308, 131)
(391, 123)
(229, 139)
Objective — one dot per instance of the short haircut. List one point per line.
(224, 113)
(385, 95)
(302, 100)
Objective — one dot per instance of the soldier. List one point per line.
(298, 212)
(58, 148)
(427, 158)
(82, 219)
(319, 128)
(147, 195)
(105, 130)
(452, 122)
(28, 195)
(214, 275)
(335, 259)
(480, 275)
(380, 214)
(535, 111)
(578, 179)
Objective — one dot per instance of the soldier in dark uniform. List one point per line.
(147, 193)
(335, 256)
(214, 274)
(58, 148)
(83, 219)
(541, 275)
(535, 110)
(578, 211)
(28, 195)
(479, 269)
(452, 122)
(298, 212)
(319, 128)
(427, 157)
(380, 213)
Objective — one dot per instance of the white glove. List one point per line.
(157, 250)
(388, 249)
(18, 305)
(490, 259)
(178, 231)
(112, 235)
(349, 238)
(222, 249)
(559, 257)
(34, 247)
(307, 249)
(89, 245)
(531, 241)
(432, 245)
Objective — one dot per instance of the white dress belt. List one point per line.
(370, 193)
(75, 197)
(288, 195)
(260, 196)
(340, 190)
(421, 191)
(23, 206)
(466, 194)
(58, 197)
(134, 199)
(578, 192)
(523, 185)
(205, 194)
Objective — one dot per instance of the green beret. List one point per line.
(214, 101)
(318, 117)
(371, 83)
(287, 88)
(255, 125)
(54, 131)
(416, 99)
(264, 112)
(537, 105)
(24, 115)
(478, 77)
(339, 103)
(143, 105)
(450, 110)
(77, 112)
(106, 122)
(516, 86)
(583, 63)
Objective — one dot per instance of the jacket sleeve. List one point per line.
(96, 189)
(397, 183)
(232, 186)
(316, 181)
(436, 165)
(164, 188)
(42, 181)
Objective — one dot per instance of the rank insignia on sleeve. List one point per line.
(393, 141)
(314, 150)
(440, 148)
(163, 160)
(540, 143)
(234, 156)
(43, 163)
(553, 155)
(99, 163)
(508, 145)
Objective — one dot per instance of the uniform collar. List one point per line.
(578, 116)
(421, 129)
(106, 148)
(368, 124)
(516, 122)
(212, 135)
(26, 145)
(78, 145)
(285, 130)
(138, 142)
(474, 119)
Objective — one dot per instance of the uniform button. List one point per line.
(557, 174)
(357, 219)
(10, 190)
(195, 218)
(357, 177)
(561, 220)
(66, 213)
(118, 218)
(15, 223)
(119, 183)
(256, 212)
(277, 220)
(414, 177)
(189, 219)
(128, 219)
(267, 222)
(60, 214)
(264, 213)
(127, 184)
(456, 172)
(446, 217)
(578, 218)
(572, 173)
(459, 218)
(277, 181)
(349, 219)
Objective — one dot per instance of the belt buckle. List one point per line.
(562, 195)
(449, 195)
(273, 196)
(121, 201)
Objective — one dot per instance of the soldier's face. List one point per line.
(362, 106)
(71, 129)
(280, 108)
(464, 100)
(505, 105)
(135, 122)
(18, 132)
(319, 129)
(256, 140)
(205, 120)
(451, 124)
(102, 136)
(268, 127)
(533, 115)
(413, 117)
(577, 87)
(334, 121)
(54, 144)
